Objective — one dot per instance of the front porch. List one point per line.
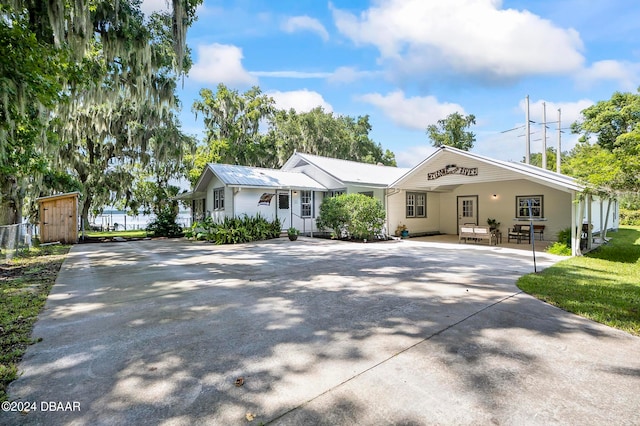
(540, 246)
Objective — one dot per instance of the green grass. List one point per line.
(135, 233)
(25, 282)
(603, 285)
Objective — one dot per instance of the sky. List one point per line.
(409, 63)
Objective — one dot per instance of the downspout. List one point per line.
(386, 208)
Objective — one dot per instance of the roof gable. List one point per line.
(449, 167)
(347, 172)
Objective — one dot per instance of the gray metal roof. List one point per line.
(234, 175)
(350, 171)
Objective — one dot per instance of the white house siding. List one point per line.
(396, 212)
(218, 215)
(599, 213)
(503, 206)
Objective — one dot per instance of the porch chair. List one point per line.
(519, 233)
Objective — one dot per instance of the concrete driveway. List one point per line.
(319, 332)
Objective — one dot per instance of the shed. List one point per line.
(59, 218)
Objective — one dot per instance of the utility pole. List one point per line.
(527, 136)
(544, 135)
(558, 152)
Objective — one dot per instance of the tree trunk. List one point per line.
(10, 203)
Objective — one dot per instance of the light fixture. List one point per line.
(495, 196)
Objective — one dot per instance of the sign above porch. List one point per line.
(452, 169)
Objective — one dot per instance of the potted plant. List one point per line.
(493, 224)
(402, 231)
(293, 233)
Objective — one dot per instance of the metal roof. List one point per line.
(235, 175)
(349, 171)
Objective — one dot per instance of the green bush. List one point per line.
(560, 249)
(629, 217)
(563, 246)
(234, 230)
(165, 225)
(564, 236)
(352, 216)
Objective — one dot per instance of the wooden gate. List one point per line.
(59, 218)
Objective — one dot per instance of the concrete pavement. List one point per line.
(321, 332)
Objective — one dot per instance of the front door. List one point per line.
(467, 210)
(284, 208)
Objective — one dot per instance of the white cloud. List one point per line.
(305, 23)
(291, 74)
(300, 100)
(569, 111)
(349, 75)
(413, 113)
(627, 74)
(470, 36)
(413, 155)
(221, 63)
(150, 6)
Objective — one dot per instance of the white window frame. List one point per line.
(414, 202)
(306, 205)
(218, 198)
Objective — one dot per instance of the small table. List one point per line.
(497, 235)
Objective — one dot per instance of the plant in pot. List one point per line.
(293, 233)
(402, 231)
(493, 224)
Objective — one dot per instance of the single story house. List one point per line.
(447, 189)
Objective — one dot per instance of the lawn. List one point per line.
(25, 282)
(134, 233)
(603, 285)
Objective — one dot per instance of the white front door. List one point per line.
(467, 210)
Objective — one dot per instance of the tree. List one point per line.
(323, 133)
(615, 126)
(29, 88)
(451, 131)
(49, 51)
(124, 115)
(536, 158)
(233, 122)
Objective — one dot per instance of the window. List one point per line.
(334, 193)
(283, 201)
(367, 193)
(522, 206)
(218, 199)
(306, 198)
(416, 204)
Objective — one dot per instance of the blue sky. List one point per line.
(409, 63)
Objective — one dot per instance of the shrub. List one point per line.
(234, 230)
(629, 217)
(352, 215)
(563, 246)
(560, 249)
(564, 236)
(165, 225)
